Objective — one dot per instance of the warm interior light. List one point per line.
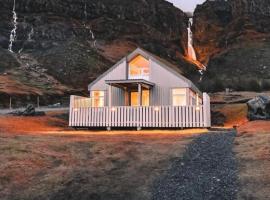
(113, 109)
(156, 109)
(198, 108)
(76, 110)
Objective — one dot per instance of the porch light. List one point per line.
(113, 109)
(156, 109)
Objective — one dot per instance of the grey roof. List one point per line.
(164, 63)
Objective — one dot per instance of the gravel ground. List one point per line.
(208, 170)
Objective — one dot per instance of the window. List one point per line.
(139, 68)
(192, 98)
(97, 98)
(179, 97)
(134, 98)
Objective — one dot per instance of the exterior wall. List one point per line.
(160, 94)
(164, 81)
(120, 72)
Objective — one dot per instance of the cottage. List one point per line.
(141, 90)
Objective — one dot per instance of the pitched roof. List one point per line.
(164, 63)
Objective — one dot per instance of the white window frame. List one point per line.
(99, 98)
(142, 75)
(185, 96)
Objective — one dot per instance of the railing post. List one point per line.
(139, 107)
(109, 123)
(206, 111)
(71, 105)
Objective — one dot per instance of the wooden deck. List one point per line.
(82, 115)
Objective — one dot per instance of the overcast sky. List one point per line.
(186, 5)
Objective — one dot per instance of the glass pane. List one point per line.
(179, 100)
(97, 98)
(139, 67)
(145, 98)
(181, 91)
(134, 99)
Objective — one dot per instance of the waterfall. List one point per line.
(191, 51)
(13, 35)
(87, 27)
(30, 34)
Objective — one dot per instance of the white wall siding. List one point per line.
(118, 73)
(164, 81)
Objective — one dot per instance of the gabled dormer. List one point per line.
(139, 68)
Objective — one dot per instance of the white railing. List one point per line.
(82, 115)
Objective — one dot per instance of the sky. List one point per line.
(186, 5)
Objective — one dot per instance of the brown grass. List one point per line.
(252, 147)
(42, 161)
(236, 114)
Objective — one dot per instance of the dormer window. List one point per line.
(139, 68)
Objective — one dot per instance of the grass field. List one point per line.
(252, 148)
(42, 161)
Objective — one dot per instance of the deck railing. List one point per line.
(83, 115)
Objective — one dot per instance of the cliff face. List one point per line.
(63, 44)
(233, 38)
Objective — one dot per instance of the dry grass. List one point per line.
(252, 148)
(59, 164)
(236, 114)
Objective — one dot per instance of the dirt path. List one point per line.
(208, 170)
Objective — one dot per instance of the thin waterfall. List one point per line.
(29, 39)
(30, 34)
(191, 50)
(87, 27)
(13, 33)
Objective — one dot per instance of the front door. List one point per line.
(145, 98)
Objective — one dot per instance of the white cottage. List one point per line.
(141, 90)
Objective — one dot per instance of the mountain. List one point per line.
(233, 39)
(63, 45)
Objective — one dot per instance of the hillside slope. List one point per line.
(63, 45)
(233, 38)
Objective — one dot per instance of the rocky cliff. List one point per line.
(62, 45)
(233, 38)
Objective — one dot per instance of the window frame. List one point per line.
(143, 92)
(100, 97)
(178, 95)
(141, 76)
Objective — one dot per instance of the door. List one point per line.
(134, 95)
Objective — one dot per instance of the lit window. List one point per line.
(179, 97)
(139, 68)
(134, 98)
(97, 98)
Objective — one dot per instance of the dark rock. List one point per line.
(29, 111)
(259, 108)
(233, 39)
(62, 41)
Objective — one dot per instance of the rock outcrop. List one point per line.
(71, 42)
(29, 111)
(259, 108)
(233, 39)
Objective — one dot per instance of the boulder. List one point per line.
(29, 111)
(259, 108)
